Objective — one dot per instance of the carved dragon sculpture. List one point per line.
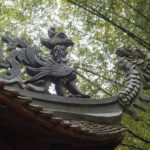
(135, 64)
(56, 69)
(94, 121)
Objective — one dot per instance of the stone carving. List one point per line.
(135, 65)
(57, 69)
(139, 57)
(43, 70)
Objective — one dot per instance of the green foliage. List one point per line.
(140, 128)
(97, 28)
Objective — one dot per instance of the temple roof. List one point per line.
(20, 115)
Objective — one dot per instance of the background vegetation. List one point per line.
(97, 27)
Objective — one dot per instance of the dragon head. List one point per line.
(139, 57)
(135, 63)
(124, 51)
(56, 38)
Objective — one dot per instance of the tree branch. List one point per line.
(138, 137)
(137, 11)
(129, 33)
(108, 79)
(131, 146)
(129, 21)
(94, 84)
(116, 72)
(98, 14)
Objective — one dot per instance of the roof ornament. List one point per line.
(135, 65)
(78, 120)
(42, 70)
(56, 68)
